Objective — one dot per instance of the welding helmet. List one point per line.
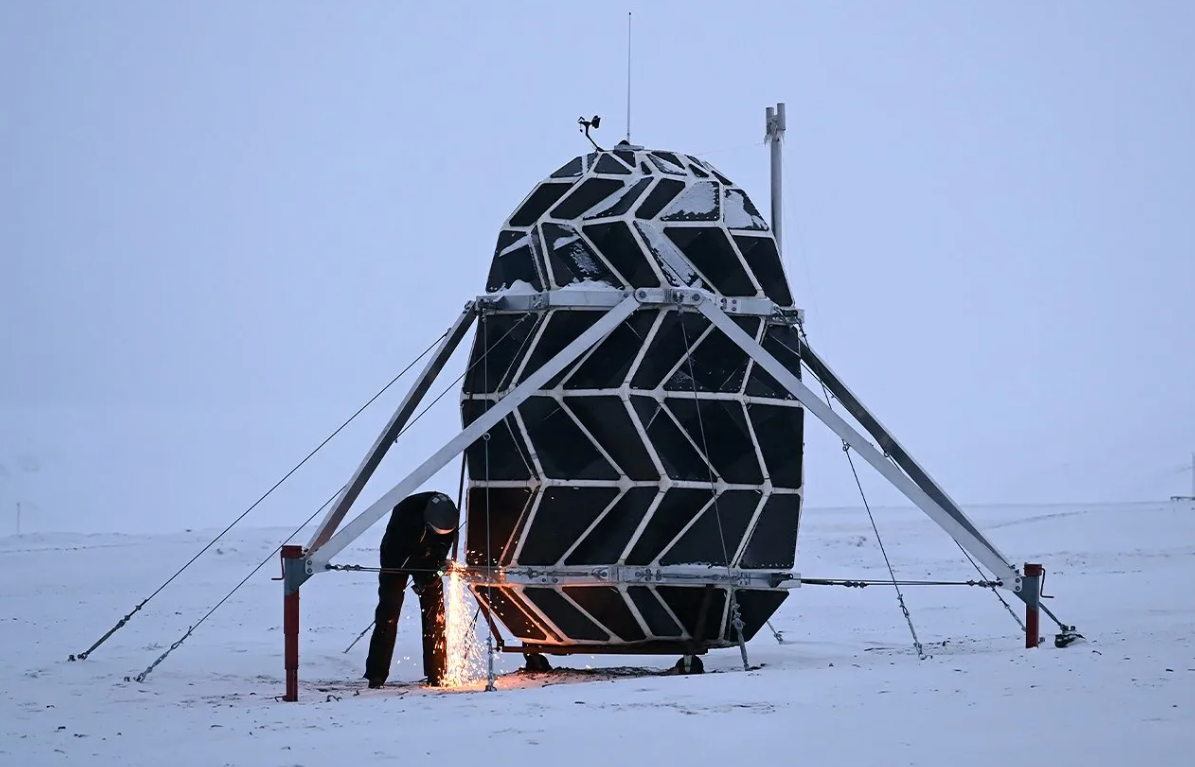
(441, 514)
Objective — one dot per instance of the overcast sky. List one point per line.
(225, 225)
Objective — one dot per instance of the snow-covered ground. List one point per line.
(845, 687)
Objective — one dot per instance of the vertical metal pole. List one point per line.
(489, 676)
(775, 133)
(292, 556)
(628, 77)
(1031, 588)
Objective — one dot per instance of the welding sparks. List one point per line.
(466, 661)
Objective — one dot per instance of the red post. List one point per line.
(290, 625)
(1032, 581)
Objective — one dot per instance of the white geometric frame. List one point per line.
(922, 490)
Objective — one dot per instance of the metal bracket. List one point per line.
(295, 570)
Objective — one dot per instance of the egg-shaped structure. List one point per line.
(662, 459)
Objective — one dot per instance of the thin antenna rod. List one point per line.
(775, 125)
(628, 77)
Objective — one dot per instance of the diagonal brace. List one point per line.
(957, 525)
(883, 437)
(474, 431)
(397, 423)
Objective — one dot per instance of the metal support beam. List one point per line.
(613, 575)
(957, 525)
(454, 447)
(568, 298)
(883, 437)
(395, 426)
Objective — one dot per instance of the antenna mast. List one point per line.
(628, 77)
(775, 133)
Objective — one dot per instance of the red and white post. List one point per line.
(1031, 583)
(291, 558)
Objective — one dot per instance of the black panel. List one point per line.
(608, 164)
(645, 168)
(718, 363)
(513, 260)
(562, 328)
(661, 195)
(741, 213)
(685, 602)
(668, 162)
(572, 258)
(756, 607)
(562, 515)
(571, 169)
(709, 249)
(784, 344)
(607, 420)
(626, 156)
(505, 508)
(678, 457)
(604, 545)
(544, 197)
(701, 201)
(723, 524)
(506, 238)
(668, 347)
(675, 510)
(780, 431)
(717, 174)
(773, 542)
(590, 192)
(608, 365)
(606, 604)
(622, 251)
(622, 203)
(659, 622)
(510, 611)
(563, 450)
(720, 430)
(676, 267)
(504, 456)
(564, 614)
(697, 171)
(498, 347)
(763, 260)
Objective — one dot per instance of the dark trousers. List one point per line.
(391, 591)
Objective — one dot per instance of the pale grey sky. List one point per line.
(224, 225)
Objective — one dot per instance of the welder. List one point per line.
(415, 547)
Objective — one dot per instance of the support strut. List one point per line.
(1031, 587)
(395, 426)
(292, 562)
(921, 493)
